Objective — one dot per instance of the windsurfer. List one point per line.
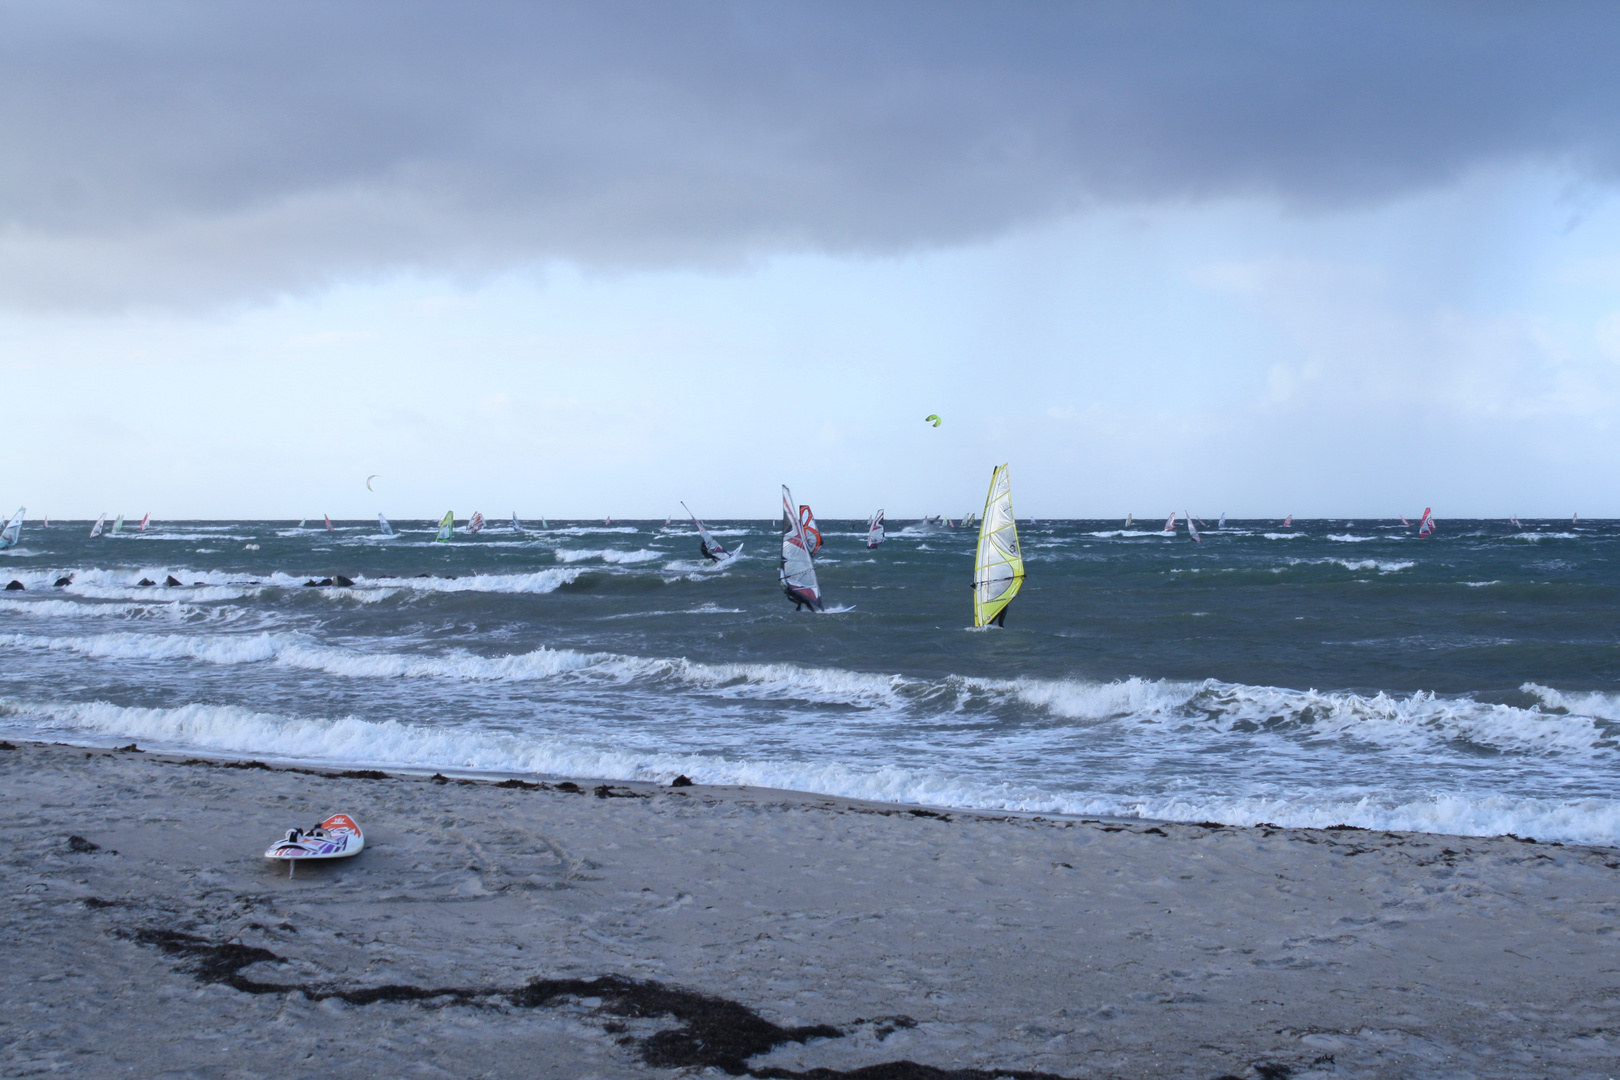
(703, 546)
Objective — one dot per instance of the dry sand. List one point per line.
(536, 932)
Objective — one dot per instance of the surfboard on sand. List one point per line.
(337, 837)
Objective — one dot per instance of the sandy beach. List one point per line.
(631, 930)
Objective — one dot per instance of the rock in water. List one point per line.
(145, 583)
(15, 586)
(341, 581)
(170, 581)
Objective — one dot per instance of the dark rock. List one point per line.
(340, 581)
(145, 583)
(681, 781)
(363, 774)
(64, 581)
(15, 586)
(1345, 828)
(130, 749)
(6, 746)
(440, 778)
(516, 783)
(570, 786)
(311, 583)
(81, 845)
(171, 582)
(1208, 825)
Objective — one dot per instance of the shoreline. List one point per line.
(496, 926)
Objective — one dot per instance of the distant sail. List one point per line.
(475, 524)
(447, 527)
(711, 548)
(516, 527)
(1222, 524)
(1170, 525)
(874, 531)
(1192, 530)
(1573, 518)
(1403, 519)
(1513, 521)
(807, 520)
(382, 524)
(328, 518)
(13, 530)
(118, 526)
(1130, 520)
(1288, 522)
(145, 521)
(1426, 526)
(543, 523)
(95, 530)
(998, 564)
(797, 570)
(301, 522)
(45, 522)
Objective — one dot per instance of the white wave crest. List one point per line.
(607, 555)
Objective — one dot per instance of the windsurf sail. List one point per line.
(475, 523)
(1573, 518)
(1130, 520)
(118, 526)
(998, 564)
(1222, 523)
(1403, 519)
(301, 522)
(447, 527)
(1426, 525)
(45, 523)
(1513, 521)
(874, 531)
(516, 526)
(13, 530)
(807, 520)
(328, 518)
(712, 549)
(145, 521)
(543, 523)
(797, 569)
(1170, 525)
(1288, 522)
(383, 526)
(1192, 530)
(95, 530)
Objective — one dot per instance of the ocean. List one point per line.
(1335, 672)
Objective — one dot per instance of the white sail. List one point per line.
(516, 526)
(1222, 524)
(475, 524)
(1192, 529)
(712, 549)
(1129, 520)
(797, 569)
(95, 530)
(145, 521)
(447, 527)
(1513, 520)
(998, 563)
(1426, 524)
(874, 531)
(13, 530)
(383, 526)
(118, 526)
(543, 523)
(1170, 524)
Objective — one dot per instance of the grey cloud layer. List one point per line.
(193, 153)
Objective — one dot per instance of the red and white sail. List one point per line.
(1403, 519)
(328, 518)
(1192, 530)
(797, 570)
(712, 548)
(1288, 522)
(1170, 525)
(807, 520)
(1426, 525)
(145, 521)
(874, 531)
(475, 523)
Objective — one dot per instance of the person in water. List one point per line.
(703, 546)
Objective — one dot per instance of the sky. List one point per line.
(580, 260)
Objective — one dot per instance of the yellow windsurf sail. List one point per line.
(998, 568)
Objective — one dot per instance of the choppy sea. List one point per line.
(1334, 672)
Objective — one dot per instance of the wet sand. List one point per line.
(633, 930)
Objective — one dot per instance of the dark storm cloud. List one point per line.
(186, 153)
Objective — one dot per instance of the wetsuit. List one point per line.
(703, 546)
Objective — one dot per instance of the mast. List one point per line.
(998, 565)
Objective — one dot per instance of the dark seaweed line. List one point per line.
(713, 1032)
